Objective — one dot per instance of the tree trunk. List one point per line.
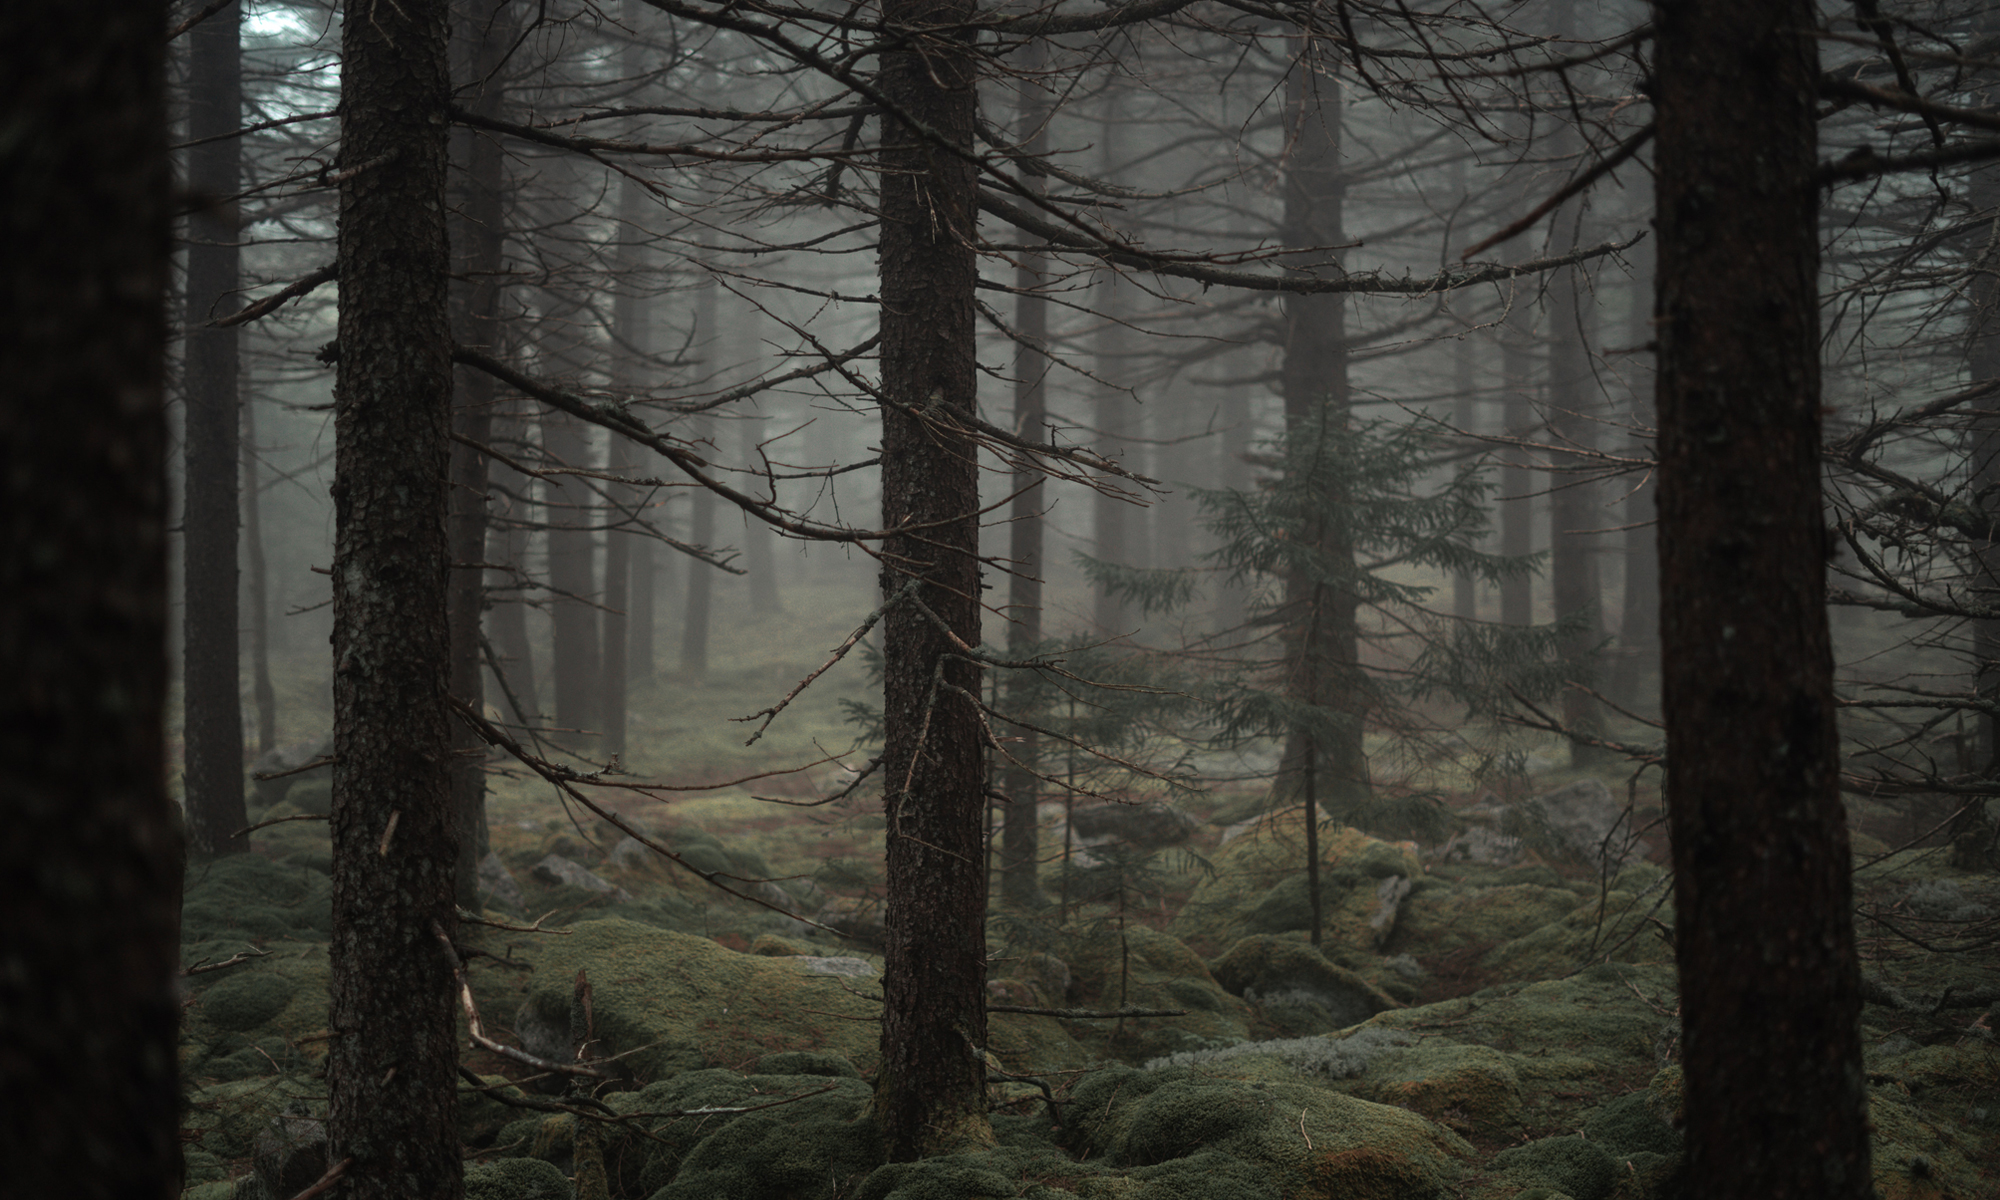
(1232, 605)
(758, 559)
(507, 547)
(212, 701)
(1111, 517)
(701, 517)
(640, 602)
(391, 1068)
(569, 503)
(88, 1005)
(1574, 588)
(482, 36)
(1764, 934)
(930, 1096)
(259, 588)
(1639, 615)
(1020, 823)
(631, 338)
(1323, 640)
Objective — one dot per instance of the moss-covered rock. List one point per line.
(1299, 990)
(247, 999)
(1135, 967)
(1441, 919)
(683, 1002)
(1617, 925)
(516, 1179)
(1472, 1089)
(1629, 1125)
(224, 1119)
(247, 897)
(1572, 1165)
(1225, 906)
(1301, 1140)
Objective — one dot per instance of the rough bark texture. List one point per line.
(390, 1073)
(213, 705)
(1323, 641)
(1020, 822)
(930, 1096)
(89, 866)
(1764, 934)
(481, 35)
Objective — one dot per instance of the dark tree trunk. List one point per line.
(1764, 933)
(259, 589)
(391, 1069)
(701, 518)
(930, 1097)
(212, 701)
(1020, 823)
(507, 547)
(91, 864)
(639, 605)
(1517, 480)
(700, 576)
(575, 667)
(1574, 588)
(1232, 608)
(758, 559)
(481, 36)
(1639, 619)
(1465, 416)
(1319, 616)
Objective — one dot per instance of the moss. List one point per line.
(202, 1167)
(950, 1177)
(1263, 969)
(765, 1157)
(247, 1000)
(683, 1002)
(1442, 920)
(1628, 1125)
(805, 1062)
(1250, 866)
(516, 1179)
(249, 894)
(1469, 1088)
(224, 1119)
(1569, 1164)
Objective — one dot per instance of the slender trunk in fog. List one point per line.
(1020, 821)
(572, 508)
(259, 587)
(507, 551)
(701, 518)
(481, 37)
(1111, 518)
(212, 700)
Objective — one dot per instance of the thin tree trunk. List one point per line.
(576, 667)
(930, 1094)
(1232, 609)
(88, 1005)
(259, 586)
(640, 601)
(758, 559)
(1639, 618)
(1020, 823)
(392, 1064)
(507, 547)
(1574, 588)
(1320, 616)
(701, 518)
(212, 700)
(1111, 518)
(631, 339)
(482, 36)
(1764, 931)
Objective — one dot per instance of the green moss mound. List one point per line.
(1628, 1125)
(247, 1000)
(683, 1002)
(1571, 1164)
(247, 897)
(516, 1179)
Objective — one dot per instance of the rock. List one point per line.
(1388, 898)
(853, 968)
(1296, 987)
(1583, 822)
(497, 886)
(631, 854)
(554, 868)
(290, 1155)
(1147, 826)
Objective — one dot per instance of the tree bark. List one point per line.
(1020, 822)
(1111, 518)
(930, 1096)
(1764, 934)
(391, 1077)
(90, 864)
(701, 516)
(1574, 588)
(212, 700)
(507, 547)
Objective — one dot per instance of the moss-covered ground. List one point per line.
(1510, 1034)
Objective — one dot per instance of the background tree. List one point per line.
(88, 1001)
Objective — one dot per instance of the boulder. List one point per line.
(1150, 825)
(1296, 987)
(290, 1154)
(497, 886)
(556, 869)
